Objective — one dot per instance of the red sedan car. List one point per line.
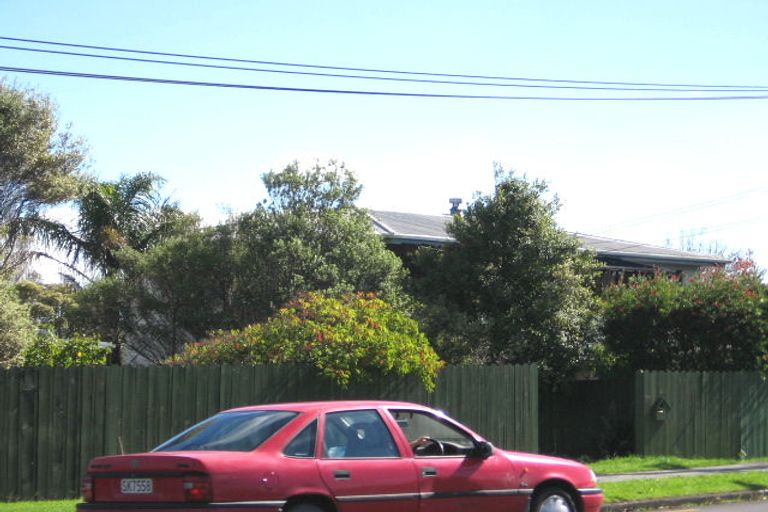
(354, 456)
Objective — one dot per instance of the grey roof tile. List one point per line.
(418, 228)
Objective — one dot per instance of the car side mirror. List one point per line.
(483, 449)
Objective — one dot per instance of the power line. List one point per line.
(366, 93)
(368, 77)
(375, 70)
(682, 210)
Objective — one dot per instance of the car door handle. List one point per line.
(428, 471)
(341, 474)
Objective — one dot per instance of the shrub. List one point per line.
(349, 338)
(716, 321)
(48, 350)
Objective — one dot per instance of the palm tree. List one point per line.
(125, 214)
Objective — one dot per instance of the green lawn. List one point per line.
(40, 506)
(635, 490)
(636, 464)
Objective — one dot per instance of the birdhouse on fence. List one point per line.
(660, 409)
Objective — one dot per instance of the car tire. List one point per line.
(553, 499)
(305, 507)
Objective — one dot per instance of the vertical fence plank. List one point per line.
(72, 469)
(28, 442)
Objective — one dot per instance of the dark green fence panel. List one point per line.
(55, 420)
(593, 418)
(754, 417)
(701, 414)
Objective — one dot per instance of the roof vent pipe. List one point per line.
(455, 202)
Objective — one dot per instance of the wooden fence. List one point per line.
(591, 418)
(701, 414)
(53, 420)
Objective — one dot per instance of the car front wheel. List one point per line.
(553, 499)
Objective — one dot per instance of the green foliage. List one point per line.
(718, 321)
(17, 330)
(349, 338)
(307, 236)
(127, 214)
(40, 166)
(48, 350)
(50, 304)
(514, 288)
(180, 290)
(310, 236)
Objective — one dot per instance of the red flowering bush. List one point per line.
(347, 338)
(716, 321)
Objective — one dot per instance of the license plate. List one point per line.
(136, 486)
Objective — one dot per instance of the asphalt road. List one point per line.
(749, 506)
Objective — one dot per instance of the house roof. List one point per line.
(418, 229)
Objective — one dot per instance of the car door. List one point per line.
(453, 476)
(362, 466)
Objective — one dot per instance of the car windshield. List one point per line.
(240, 431)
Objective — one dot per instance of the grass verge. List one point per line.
(648, 489)
(635, 464)
(40, 506)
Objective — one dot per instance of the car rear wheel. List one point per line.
(553, 499)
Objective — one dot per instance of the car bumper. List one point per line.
(260, 506)
(592, 499)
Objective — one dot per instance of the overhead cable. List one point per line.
(377, 70)
(368, 77)
(167, 81)
(683, 210)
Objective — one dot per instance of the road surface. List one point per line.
(747, 506)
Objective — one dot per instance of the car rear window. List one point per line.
(240, 431)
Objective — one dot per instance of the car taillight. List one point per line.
(87, 488)
(197, 488)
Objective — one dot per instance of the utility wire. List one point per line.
(366, 93)
(373, 70)
(683, 209)
(364, 77)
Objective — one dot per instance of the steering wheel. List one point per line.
(429, 446)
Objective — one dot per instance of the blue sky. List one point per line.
(642, 171)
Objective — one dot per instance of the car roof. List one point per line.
(327, 405)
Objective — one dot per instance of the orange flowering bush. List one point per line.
(348, 338)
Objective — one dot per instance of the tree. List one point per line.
(40, 166)
(515, 287)
(310, 236)
(718, 321)
(180, 290)
(115, 219)
(50, 305)
(307, 236)
(349, 338)
(17, 331)
(113, 216)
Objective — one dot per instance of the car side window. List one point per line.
(357, 434)
(303, 445)
(431, 436)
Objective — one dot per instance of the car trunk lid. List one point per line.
(149, 478)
